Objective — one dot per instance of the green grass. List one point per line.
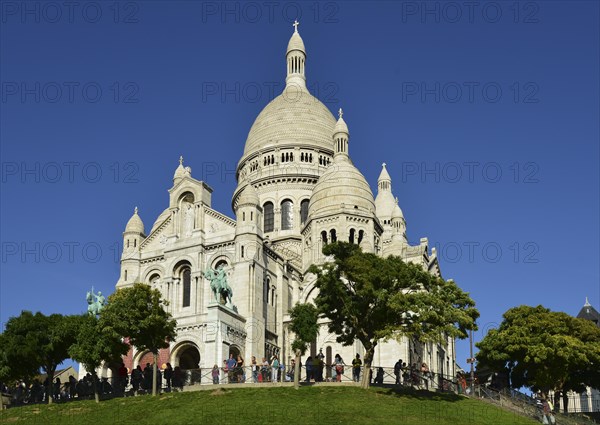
(280, 405)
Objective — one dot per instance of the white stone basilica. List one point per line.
(297, 190)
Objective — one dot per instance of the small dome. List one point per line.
(384, 175)
(384, 202)
(162, 217)
(340, 126)
(342, 183)
(248, 196)
(397, 212)
(295, 43)
(135, 223)
(180, 171)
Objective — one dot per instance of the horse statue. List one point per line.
(219, 286)
(95, 302)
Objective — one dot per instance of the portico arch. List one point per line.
(186, 355)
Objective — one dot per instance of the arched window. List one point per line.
(287, 215)
(269, 217)
(266, 290)
(352, 231)
(304, 211)
(332, 235)
(361, 234)
(187, 286)
(324, 237)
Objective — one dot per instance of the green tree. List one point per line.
(305, 327)
(33, 341)
(543, 350)
(137, 312)
(372, 299)
(95, 345)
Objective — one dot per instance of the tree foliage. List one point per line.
(137, 312)
(31, 342)
(95, 345)
(543, 350)
(372, 299)
(304, 325)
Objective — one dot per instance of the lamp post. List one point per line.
(471, 361)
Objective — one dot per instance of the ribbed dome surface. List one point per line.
(295, 117)
(341, 126)
(248, 196)
(342, 183)
(397, 212)
(384, 204)
(295, 43)
(135, 224)
(162, 217)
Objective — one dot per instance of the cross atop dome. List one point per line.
(295, 25)
(340, 113)
(181, 160)
(135, 211)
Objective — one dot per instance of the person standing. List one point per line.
(339, 368)
(265, 369)
(274, 368)
(240, 374)
(231, 365)
(168, 376)
(215, 374)
(309, 365)
(356, 364)
(425, 374)
(254, 367)
(398, 371)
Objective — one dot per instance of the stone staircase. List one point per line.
(524, 405)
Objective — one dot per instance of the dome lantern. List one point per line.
(341, 136)
(295, 59)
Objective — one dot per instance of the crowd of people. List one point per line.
(39, 392)
(232, 370)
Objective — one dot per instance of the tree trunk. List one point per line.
(367, 369)
(154, 373)
(297, 371)
(565, 402)
(51, 386)
(95, 386)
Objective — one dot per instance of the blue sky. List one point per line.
(487, 116)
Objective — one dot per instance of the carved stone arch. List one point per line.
(142, 357)
(176, 263)
(186, 195)
(236, 350)
(220, 259)
(180, 264)
(154, 270)
(186, 354)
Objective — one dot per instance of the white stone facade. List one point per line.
(297, 189)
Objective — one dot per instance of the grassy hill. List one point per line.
(278, 405)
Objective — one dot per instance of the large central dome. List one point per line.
(294, 117)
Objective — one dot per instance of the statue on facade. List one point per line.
(218, 283)
(95, 302)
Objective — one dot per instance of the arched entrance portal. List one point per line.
(235, 351)
(189, 358)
